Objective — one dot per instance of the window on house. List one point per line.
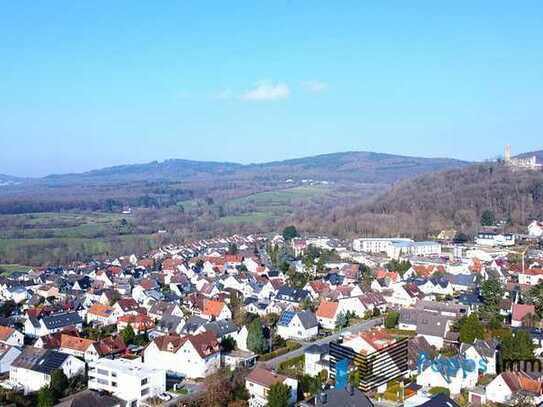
(144, 382)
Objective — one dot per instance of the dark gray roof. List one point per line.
(90, 398)
(291, 294)
(318, 349)
(428, 323)
(343, 398)
(62, 320)
(170, 323)
(221, 328)
(467, 280)
(308, 319)
(487, 349)
(193, 324)
(441, 400)
(40, 360)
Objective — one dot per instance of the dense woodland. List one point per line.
(423, 206)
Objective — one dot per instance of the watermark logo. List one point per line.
(450, 367)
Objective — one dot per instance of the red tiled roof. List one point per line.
(212, 308)
(519, 311)
(75, 343)
(5, 332)
(327, 309)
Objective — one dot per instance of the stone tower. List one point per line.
(507, 153)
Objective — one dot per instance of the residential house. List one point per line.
(521, 314)
(101, 314)
(80, 347)
(8, 354)
(454, 374)
(140, 323)
(327, 314)
(530, 276)
(297, 325)
(215, 310)
(126, 306)
(192, 356)
(32, 369)
(11, 336)
(483, 353)
(90, 398)
(49, 324)
(316, 359)
(507, 384)
(163, 308)
(432, 326)
(170, 324)
(290, 295)
(258, 384)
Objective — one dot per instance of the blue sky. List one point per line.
(85, 85)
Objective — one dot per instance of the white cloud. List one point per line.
(314, 86)
(267, 90)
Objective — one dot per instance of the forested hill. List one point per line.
(423, 206)
(348, 166)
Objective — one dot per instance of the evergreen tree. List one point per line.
(471, 329)
(46, 397)
(488, 218)
(290, 233)
(128, 335)
(256, 341)
(391, 319)
(59, 383)
(279, 395)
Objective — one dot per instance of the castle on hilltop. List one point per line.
(529, 163)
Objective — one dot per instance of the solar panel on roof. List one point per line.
(50, 361)
(286, 317)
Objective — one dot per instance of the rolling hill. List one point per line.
(347, 166)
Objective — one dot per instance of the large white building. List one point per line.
(495, 239)
(535, 229)
(128, 380)
(396, 247)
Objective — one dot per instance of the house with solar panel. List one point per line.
(50, 324)
(33, 367)
(297, 325)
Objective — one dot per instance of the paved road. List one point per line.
(362, 326)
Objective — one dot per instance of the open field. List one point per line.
(42, 238)
(58, 237)
(7, 269)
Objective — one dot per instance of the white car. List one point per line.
(164, 397)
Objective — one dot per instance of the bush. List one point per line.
(291, 362)
(439, 390)
(391, 319)
(289, 348)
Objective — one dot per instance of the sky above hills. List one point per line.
(86, 85)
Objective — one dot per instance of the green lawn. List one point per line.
(7, 269)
